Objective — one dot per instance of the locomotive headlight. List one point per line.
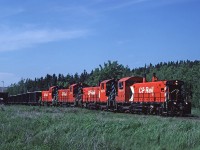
(174, 103)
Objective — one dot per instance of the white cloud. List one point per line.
(15, 40)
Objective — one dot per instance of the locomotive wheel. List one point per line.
(181, 114)
(131, 110)
(145, 110)
(119, 109)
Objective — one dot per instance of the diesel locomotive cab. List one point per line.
(175, 91)
(175, 98)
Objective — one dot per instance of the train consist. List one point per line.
(129, 94)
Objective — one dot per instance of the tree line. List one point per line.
(187, 71)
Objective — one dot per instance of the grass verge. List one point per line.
(28, 127)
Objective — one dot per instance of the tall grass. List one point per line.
(26, 127)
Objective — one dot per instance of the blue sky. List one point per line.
(67, 36)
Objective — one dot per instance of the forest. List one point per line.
(187, 71)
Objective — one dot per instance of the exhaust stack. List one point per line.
(144, 78)
(154, 78)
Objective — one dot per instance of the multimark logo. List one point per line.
(146, 89)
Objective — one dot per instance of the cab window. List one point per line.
(120, 85)
(102, 86)
(70, 89)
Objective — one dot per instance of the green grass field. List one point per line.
(28, 127)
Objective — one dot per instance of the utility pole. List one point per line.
(3, 85)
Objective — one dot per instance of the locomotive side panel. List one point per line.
(46, 96)
(149, 92)
(63, 95)
(91, 94)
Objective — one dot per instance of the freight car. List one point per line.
(3, 97)
(29, 98)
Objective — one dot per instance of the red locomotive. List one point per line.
(159, 97)
(49, 97)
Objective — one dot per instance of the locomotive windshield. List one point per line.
(175, 90)
(120, 85)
